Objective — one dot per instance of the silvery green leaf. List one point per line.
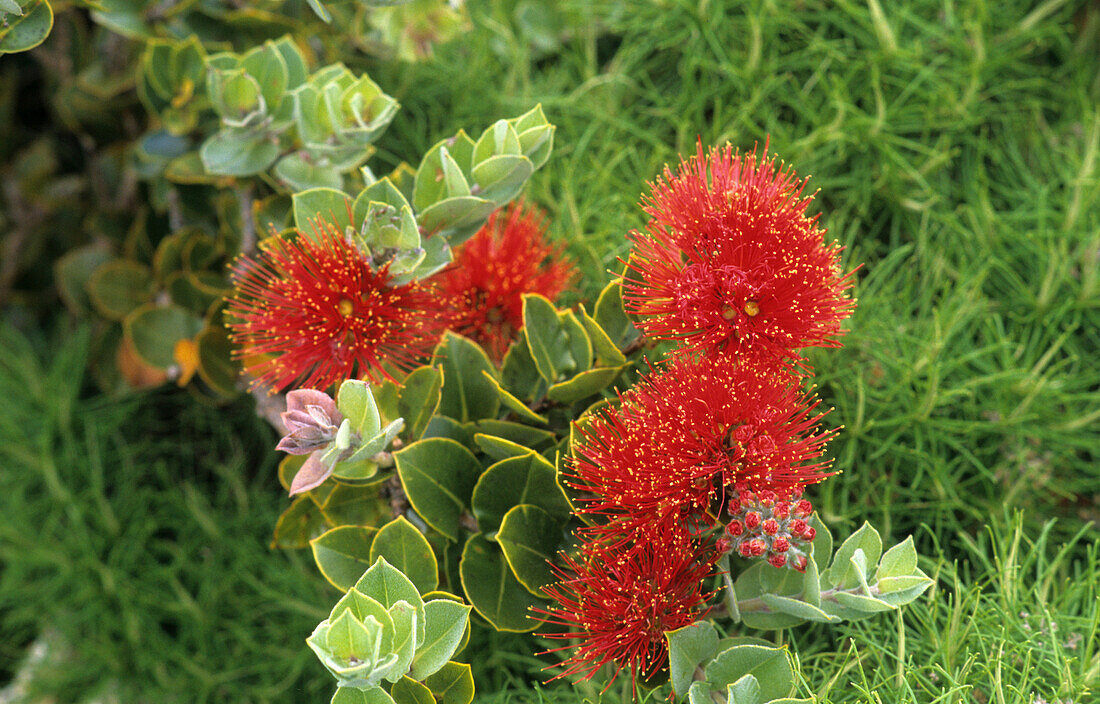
(688, 648)
(744, 691)
(355, 401)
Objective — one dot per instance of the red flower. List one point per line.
(507, 257)
(620, 603)
(684, 439)
(730, 260)
(314, 312)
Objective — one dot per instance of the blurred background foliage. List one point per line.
(955, 145)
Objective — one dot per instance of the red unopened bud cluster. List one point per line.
(765, 525)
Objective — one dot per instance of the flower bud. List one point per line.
(771, 526)
(777, 560)
(735, 528)
(781, 545)
(803, 508)
(809, 533)
(752, 520)
(799, 563)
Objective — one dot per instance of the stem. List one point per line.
(248, 225)
(638, 343)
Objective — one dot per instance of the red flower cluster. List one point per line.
(620, 603)
(507, 258)
(314, 312)
(707, 455)
(731, 262)
(683, 438)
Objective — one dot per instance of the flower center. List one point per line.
(345, 307)
(751, 308)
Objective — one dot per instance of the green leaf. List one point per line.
(611, 317)
(498, 448)
(452, 684)
(388, 585)
(899, 591)
(27, 31)
(841, 573)
(530, 538)
(502, 177)
(527, 479)
(466, 395)
(607, 352)
(770, 666)
(525, 435)
(118, 287)
(865, 605)
(492, 589)
(536, 135)
(748, 586)
(266, 65)
(822, 545)
(511, 402)
(689, 647)
(444, 427)
(811, 583)
(154, 332)
(438, 476)
(455, 213)
(406, 624)
(577, 342)
(799, 609)
(446, 623)
(419, 399)
(356, 403)
(238, 152)
(297, 525)
(348, 637)
(362, 606)
(519, 374)
(583, 385)
(409, 691)
(744, 691)
(545, 337)
(342, 554)
(295, 63)
(408, 550)
(439, 176)
(700, 693)
(328, 204)
(300, 172)
(73, 271)
(354, 695)
(899, 561)
(216, 365)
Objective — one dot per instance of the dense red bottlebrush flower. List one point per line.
(730, 261)
(313, 313)
(620, 603)
(684, 439)
(507, 258)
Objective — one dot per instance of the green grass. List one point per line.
(955, 146)
(135, 532)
